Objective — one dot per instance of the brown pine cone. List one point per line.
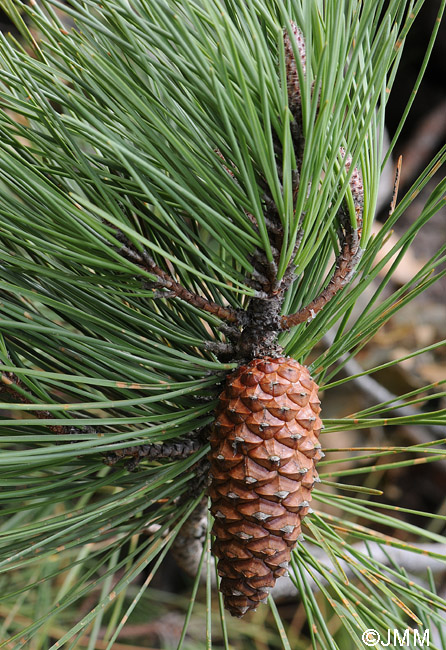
(264, 447)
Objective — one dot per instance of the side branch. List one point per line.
(346, 263)
(170, 450)
(173, 288)
(8, 382)
(350, 251)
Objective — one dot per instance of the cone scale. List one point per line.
(264, 447)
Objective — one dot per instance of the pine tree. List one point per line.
(188, 191)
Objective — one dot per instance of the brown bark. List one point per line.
(172, 450)
(166, 281)
(9, 380)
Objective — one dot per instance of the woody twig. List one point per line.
(346, 262)
(263, 277)
(348, 257)
(171, 288)
(9, 385)
(171, 450)
(396, 185)
(349, 236)
(293, 86)
(262, 313)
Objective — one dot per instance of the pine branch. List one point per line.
(293, 85)
(10, 384)
(174, 289)
(345, 265)
(188, 544)
(349, 237)
(166, 450)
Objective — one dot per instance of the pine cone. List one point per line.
(264, 446)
